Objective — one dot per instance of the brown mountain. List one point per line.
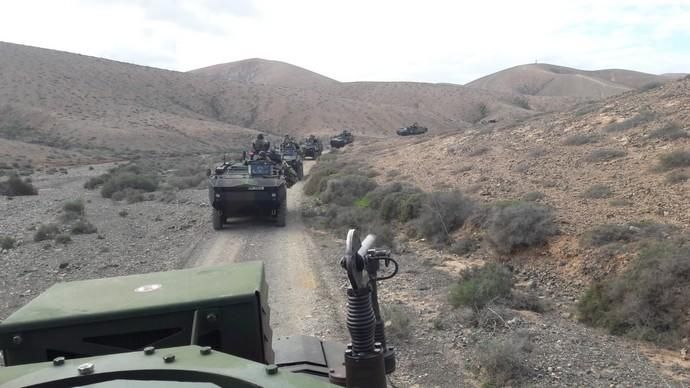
(551, 80)
(266, 72)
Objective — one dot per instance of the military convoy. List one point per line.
(194, 327)
(342, 139)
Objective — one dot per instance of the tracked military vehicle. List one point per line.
(312, 147)
(194, 328)
(249, 187)
(342, 139)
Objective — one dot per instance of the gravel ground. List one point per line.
(439, 349)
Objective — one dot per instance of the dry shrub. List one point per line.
(482, 285)
(648, 300)
(442, 214)
(518, 225)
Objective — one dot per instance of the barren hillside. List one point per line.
(598, 164)
(552, 80)
(262, 71)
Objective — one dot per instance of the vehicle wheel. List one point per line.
(218, 219)
(281, 219)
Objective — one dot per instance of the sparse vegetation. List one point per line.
(396, 321)
(598, 191)
(581, 139)
(480, 286)
(442, 214)
(675, 177)
(123, 213)
(675, 159)
(521, 102)
(641, 118)
(7, 242)
(669, 131)
(46, 232)
(648, 300)
(127, 179)
(477, 151)
(625, 233)
(83, 227)
(651, 85)
(519, 224)
(501, 362)
(15, 186)
(605, 154)
(533, 196)
(63, 238)
(464, 246)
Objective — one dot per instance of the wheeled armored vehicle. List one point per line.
(342, 139)
(199, 327)
(414, 129)
(312, 147)
(249, 187)
(291, 154)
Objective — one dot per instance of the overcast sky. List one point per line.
(363, 40)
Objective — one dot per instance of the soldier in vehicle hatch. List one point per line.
(260, 144)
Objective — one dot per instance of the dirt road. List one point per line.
(301, 295)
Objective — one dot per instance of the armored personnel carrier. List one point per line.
(414, 129)
(312, 147)
(342, 139)
(249, 187)
(199, 327)
(291, 154)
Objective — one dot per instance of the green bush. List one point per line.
(648, 300)
(15, 186)
(675, 159)
(482, 285)
(83, 227)
(598, 191)
(519, 224)
(7, 242)
(605, 154)
(46, 232)
(581, 139)
(346, 189)
(442, 214)
(95, 182)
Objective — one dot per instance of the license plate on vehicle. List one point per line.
(256, 188)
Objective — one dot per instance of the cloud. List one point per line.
(434, 41)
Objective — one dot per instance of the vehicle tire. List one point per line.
(281, 218)
(300, 171)
(218, 218)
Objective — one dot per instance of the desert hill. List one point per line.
(595, 165)
(551, 80)
(78, 108)
(262, 71)
(82, 108)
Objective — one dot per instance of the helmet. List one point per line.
(260, 136)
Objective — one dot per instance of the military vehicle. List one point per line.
(290, 153)
(414, 129)
(248, 187)
(342, 139)
(199, 327)
(312, 147)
